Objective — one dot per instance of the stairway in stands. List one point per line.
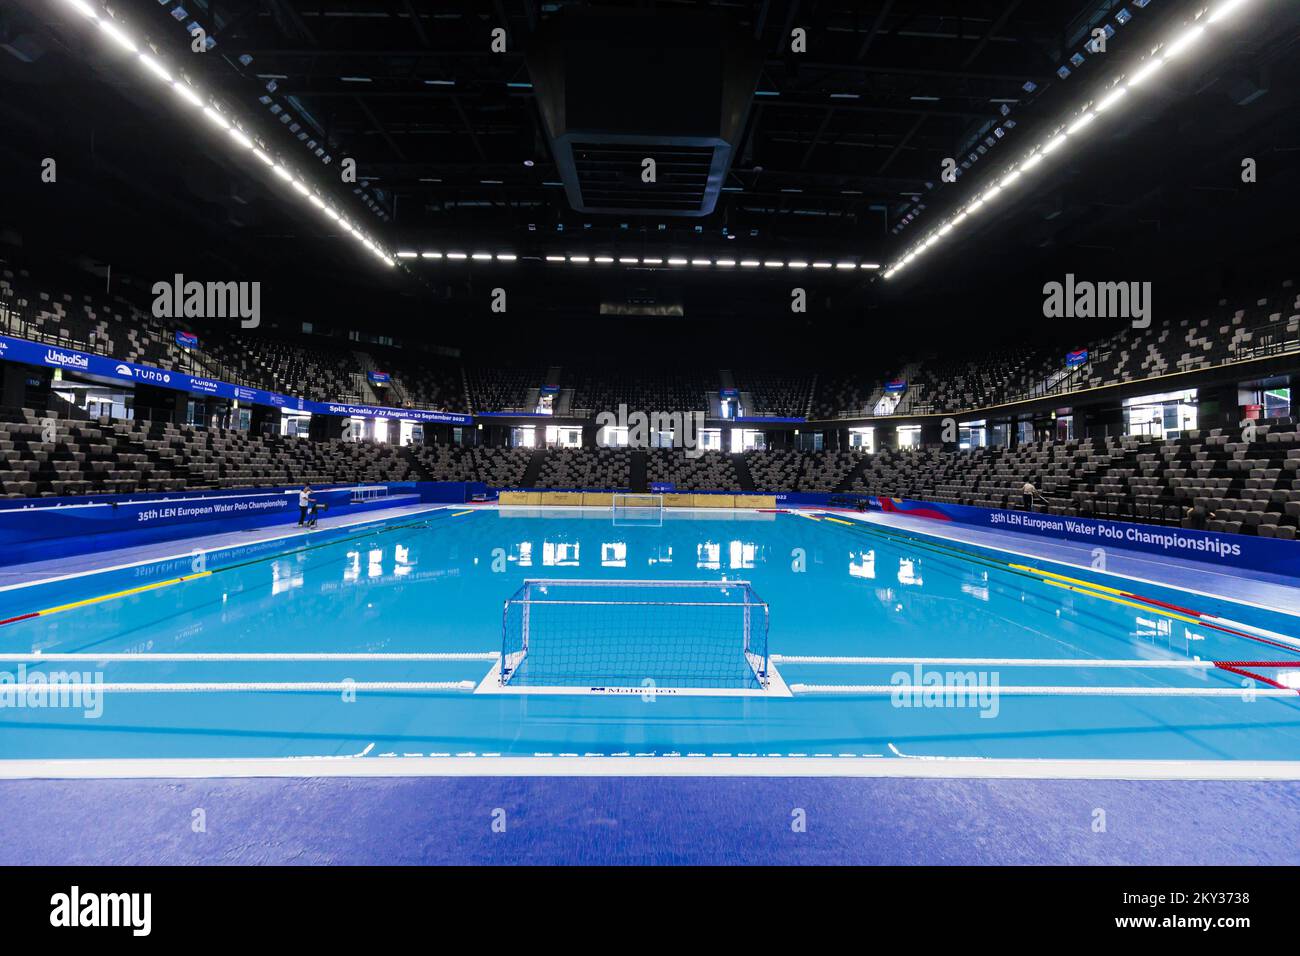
(743, 475)
(637, 480)
(534, 469)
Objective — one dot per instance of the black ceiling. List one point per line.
(839, 156)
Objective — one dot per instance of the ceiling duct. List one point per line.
(616, 88)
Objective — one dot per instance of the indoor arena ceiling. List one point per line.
(837, 156)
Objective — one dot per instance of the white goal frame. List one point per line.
(649, 508)
(755, 618)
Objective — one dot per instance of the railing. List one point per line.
(1268, 340)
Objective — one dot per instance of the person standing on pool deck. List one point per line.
(304, 499)
(1027, 494)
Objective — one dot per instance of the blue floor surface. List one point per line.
(696, 820)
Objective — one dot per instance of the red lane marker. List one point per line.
(1258, 663)
(20, 617)
(1172, 607)
(1228, 666)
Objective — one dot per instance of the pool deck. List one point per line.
(1273, 591)
(23, 575)
(602, 820)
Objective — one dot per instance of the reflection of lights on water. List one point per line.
(908, 573)
(708, 554)
(1288, 677)
(560, 554)
(663, 555)
(978, 592)
(613, 554)
(742, 554)
(862, 565)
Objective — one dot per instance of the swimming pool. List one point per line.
(882, 644)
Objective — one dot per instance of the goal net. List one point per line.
(637, 508)
(635, 634)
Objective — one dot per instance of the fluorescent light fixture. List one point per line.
(1225, 9)
(215, 118)
(796, 264)
(822, 265)
(1052, 145)
(960, 218)
(701, 262)
(653, 262)
(1081, 122)
(604, 260)
(240, 138)
(846, 265)
(676, 262)
(1010, 178)
(726, 263)
(154, 67)
(482, 257)
(187, 94)
(629, 260)
(1183, 41)
(750, 263)
(121, 39)
(555, 258)
(869, 265)
(407, 255)
(773, 264)
(991, 193)
(579, 259)
(947, 228)
(975, 205)
(1110, 99)
(437, 255)
(282, 173)
(1031, 162)
(506, 257)
(263, 156)
(1145, 72)
(301, 188)
(457, 255)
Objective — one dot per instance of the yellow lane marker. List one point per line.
(1062, 577)
(126, 593)
(1140, 607)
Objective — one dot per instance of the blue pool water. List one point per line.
(439, 583)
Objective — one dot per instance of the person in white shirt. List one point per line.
(304, 501)
(1027, 494)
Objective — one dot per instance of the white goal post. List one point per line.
(634, 501)
(573, 635)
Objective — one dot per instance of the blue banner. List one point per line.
(1075, 359)
(379, 378)
(83, 363)
(187, 340)
(897, 385)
